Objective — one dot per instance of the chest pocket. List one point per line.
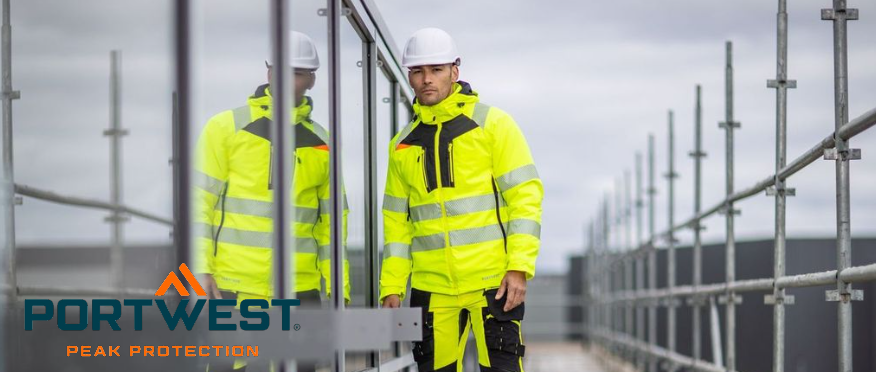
(436, 165)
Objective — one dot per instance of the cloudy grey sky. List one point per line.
(587, 81)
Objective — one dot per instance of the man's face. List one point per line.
(302, 81)
(433, 83)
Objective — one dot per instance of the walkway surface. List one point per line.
(559, 356)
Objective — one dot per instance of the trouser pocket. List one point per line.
(502, 334)
(424, 351)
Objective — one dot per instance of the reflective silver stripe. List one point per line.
(320, 131)
(515, 177)
(428, 242)
(242, 117)
(208, 183)
(326, 206)
(395, 204)
(472, 204)
(406, 131)
(475, 235)
(456, 207)
(524, 226)
(257, 239)
(305, 245)
(260, 239)
(247, 206)
(400, 250)
(479, 115)
(202, 230)
(264, 209)
(425, 212)
(325, 252)
(305, 215)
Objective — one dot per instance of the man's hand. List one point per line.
(392, 301)
(514, 284)
(209, 286)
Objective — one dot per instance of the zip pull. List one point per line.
(450, 165)
(271, 168)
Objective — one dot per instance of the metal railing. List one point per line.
(609, 321)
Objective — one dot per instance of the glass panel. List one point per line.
(93, 123)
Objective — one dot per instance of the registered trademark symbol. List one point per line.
(297, 326)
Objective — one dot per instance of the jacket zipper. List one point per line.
(423, 167)
(270, 168)
(450, 166)
(221, 223)
(447, 251)
(498, 214)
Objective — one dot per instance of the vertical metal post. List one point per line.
(115, 133)
(588, 327)
(640, 261)
(8, 202)
(393, 108)
(697, 155)
(393, 129)
(652, 255)
(670, 265)
(281, 93)
(8, 165)
(730, 212)
(334, 13)
(608, 323)
(628, 260)
(369, 76)
(282, 141)
(181, 137)
(781, 83)
(842, 154)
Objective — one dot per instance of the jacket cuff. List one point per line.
(386, 291)
(525, 268)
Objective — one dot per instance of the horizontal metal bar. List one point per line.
(659, 352)
(84, 292)
(856, 274)
(82, 202)
(859, 274)
(395, 364)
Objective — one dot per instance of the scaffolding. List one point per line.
(611, 295)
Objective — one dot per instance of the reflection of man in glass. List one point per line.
(234, 208)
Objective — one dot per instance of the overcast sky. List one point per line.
(587, 82)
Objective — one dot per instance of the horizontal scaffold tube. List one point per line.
(854, 274)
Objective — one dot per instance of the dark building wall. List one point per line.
(810, 325)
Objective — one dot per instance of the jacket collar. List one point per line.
(460, 100)
(262, 101)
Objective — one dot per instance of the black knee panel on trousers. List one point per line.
(501, 334)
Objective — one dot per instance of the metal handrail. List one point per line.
(849, 130)
(84, 202)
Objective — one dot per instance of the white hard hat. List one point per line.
(430, 46)
(302, 52)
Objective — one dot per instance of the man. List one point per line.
(235, 192)
(462, 216)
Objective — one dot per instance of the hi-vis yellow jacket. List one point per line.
(234, 194)
(463, 199)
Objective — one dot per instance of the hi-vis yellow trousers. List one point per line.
(447, 320)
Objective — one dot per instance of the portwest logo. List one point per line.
(98, 317)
